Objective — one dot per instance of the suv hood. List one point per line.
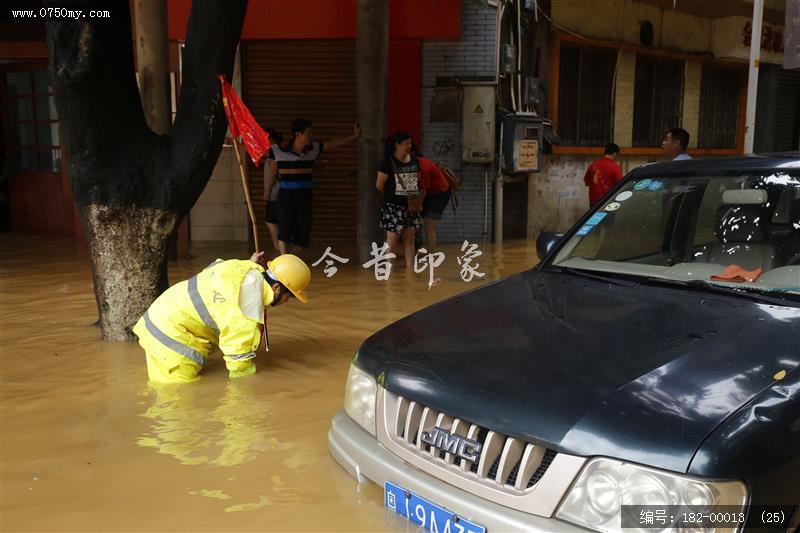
(640, 373)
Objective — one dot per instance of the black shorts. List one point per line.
(271, 215)
(294, 216)
(434, 204)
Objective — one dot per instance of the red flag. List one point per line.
(242, 123)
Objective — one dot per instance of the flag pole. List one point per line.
(245, 186)
(247, 199)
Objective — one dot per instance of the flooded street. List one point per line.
(87, 445)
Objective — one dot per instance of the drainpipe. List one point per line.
(519, 55)
(498, 15)
(498, 194)
(498, 209)
(752, 78)
(498, 182)
(486, 203)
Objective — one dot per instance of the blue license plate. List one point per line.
(429, 515)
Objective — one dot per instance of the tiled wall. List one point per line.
(220, 213)
(473, 55)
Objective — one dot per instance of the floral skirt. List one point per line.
(396, 218)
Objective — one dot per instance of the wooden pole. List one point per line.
(247, 199)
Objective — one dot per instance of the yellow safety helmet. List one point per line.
(293, 273)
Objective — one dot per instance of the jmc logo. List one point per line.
(463, 447)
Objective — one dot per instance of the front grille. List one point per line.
(508, 463)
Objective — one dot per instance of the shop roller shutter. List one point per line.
(314, 79)
(787, 118)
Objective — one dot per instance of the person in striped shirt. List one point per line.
(294, 164)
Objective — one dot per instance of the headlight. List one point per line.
(604, 486)
(359, 398)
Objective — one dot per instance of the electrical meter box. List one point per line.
(523, 141)
(478, 127)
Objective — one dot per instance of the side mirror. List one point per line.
(546, 241)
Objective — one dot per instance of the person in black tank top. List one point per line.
(399, 181)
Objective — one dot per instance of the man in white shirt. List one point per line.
(675, 143)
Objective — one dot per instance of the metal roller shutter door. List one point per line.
(787, 117)
(314, 79)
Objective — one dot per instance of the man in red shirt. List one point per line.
(603, 174)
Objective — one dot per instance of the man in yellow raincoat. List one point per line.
(221, 306)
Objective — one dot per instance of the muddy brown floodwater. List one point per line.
(87, 445)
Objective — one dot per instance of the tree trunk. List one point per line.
(372, 59)
(133, 186)
(127, 247)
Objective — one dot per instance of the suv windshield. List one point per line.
(734, 231)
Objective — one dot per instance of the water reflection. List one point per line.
(231, 434)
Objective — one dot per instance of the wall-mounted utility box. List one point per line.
(523, 142)
(478, 123)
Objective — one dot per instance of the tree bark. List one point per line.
(372, 59)
(132, 186)
(128, 250)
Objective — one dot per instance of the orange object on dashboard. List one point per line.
(735, 273)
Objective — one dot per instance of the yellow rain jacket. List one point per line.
(221, 307)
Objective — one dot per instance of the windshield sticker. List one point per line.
(656, 185)
(621, 197)
(613, 206)
(642, 185)
(595, 219)
(584, 230)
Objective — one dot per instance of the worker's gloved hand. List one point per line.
(246, 371)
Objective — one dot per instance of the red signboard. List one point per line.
(332, 19)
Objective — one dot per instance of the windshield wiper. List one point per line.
(606, 277)
(751, 293)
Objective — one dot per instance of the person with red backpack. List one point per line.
(439, 185)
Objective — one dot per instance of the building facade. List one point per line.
(602, 71)
(655, 68)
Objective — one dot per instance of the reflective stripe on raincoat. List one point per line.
(191, 317)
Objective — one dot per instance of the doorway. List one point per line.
(38, 195)
(515, 207)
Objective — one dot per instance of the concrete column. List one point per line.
(752, 78)
(372, 67)
(623, 99)
(152, 60)
(692, 82)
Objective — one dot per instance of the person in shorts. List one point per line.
(399, 181)
(295, 163)
(437, 191)
(271, 192)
